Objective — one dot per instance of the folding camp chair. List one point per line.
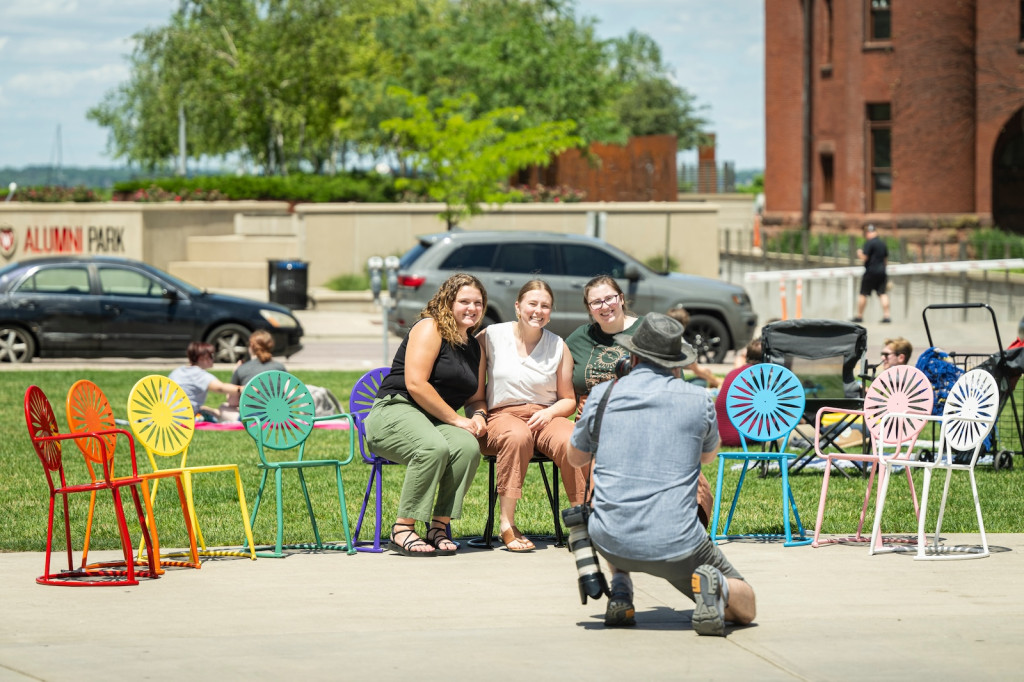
(824, 354)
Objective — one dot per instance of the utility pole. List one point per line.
(808, 133)
(181, 139)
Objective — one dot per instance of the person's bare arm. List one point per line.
(578, 458)
(566, 403)
(225, 388)
(709, 457)
(478, 401)
(420, 354)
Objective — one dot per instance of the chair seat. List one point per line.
(488, 538)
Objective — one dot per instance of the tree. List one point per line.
(533, 54)
(265, 79)
(468, 159)
(650, 100)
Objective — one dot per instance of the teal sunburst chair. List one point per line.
(765, 402)
(278, 412)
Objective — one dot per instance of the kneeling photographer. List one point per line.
(650, 441)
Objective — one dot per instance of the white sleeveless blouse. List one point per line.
(515, 380)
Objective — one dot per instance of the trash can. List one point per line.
(287, 282)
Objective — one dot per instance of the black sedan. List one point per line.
(95, 306)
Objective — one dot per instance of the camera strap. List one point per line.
(597, 436)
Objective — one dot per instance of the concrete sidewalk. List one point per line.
(827, 613)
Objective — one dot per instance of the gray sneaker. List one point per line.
(709, 604)
(620, 611)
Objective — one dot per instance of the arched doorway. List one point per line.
(1008, 176)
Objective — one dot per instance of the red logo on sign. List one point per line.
(8, 243)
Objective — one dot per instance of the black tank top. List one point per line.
(454, 375)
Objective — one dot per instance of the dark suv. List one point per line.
(720, 314)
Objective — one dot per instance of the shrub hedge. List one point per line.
(355, 186)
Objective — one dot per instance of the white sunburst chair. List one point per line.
(967, 418)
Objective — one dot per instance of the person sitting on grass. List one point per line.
(197, 381)
(752, 355)
(261, 359)
(895, 352)
(680, 314)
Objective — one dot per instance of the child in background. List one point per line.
(711, 381)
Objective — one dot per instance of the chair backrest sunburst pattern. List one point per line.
(160, 415)
(765, 402)
(88, 410)
(277, 407)
(898, 390)
(974, 396)
(361, 400)
(42, 423)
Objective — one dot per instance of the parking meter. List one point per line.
(391, 264)
(374, 264)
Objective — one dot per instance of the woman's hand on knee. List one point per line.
(474, 426)
(538, 420)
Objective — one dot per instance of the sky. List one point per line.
(58, 58)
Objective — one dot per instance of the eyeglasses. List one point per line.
(599, 303)
(885, 354)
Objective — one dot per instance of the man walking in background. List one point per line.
(874, 254)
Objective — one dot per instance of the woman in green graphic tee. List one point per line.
(593, 348)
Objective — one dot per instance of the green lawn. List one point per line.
(24, 493)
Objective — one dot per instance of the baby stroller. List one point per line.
(943, 369)
(1006, 367)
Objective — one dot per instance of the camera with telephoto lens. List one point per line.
(624, 364)
(591, 581)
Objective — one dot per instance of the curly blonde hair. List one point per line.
(440, 306)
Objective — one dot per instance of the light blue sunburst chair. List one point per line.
(765, 402)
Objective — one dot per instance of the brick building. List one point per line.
(644, 169)
(916, 112)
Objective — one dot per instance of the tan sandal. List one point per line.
(514, 535)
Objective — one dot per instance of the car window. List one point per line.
(534, 259)
(478, 257)
(410, 256)
(586, 261)
(57, 280)
(124, 282)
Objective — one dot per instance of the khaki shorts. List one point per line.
(678, 570)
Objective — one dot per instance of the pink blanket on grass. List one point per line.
(238, 426)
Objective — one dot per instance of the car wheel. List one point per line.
(16, 345)
(230, 343)
(709, 337)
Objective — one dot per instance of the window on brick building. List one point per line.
(827, 178)
(879, 119)
(826, 61)
(1021, 13)
(879, 20)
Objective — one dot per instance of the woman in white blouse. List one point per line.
(529, 399)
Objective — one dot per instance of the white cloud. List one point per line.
(61, 83)
(38, 8)
(3, 42)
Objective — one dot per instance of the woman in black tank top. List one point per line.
(415, 419)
